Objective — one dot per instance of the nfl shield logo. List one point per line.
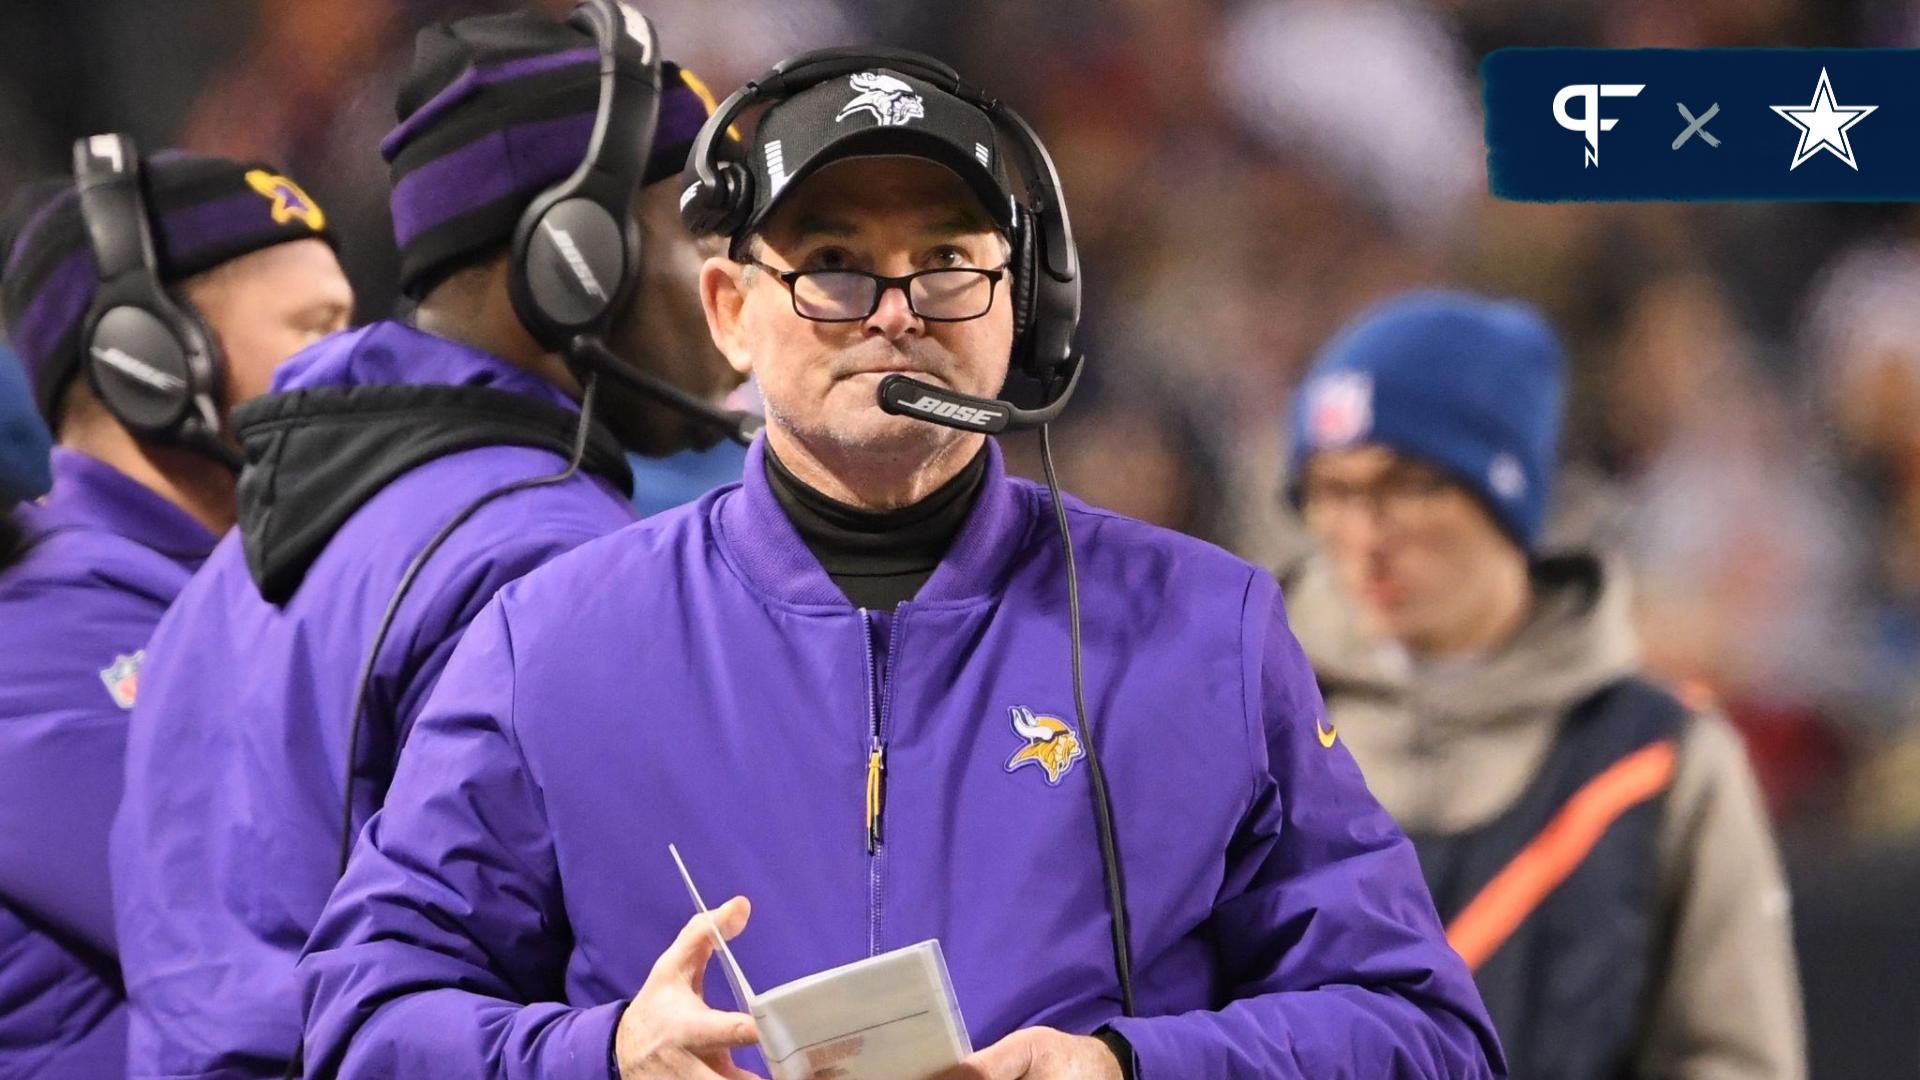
(122, 678)
(1340, 409)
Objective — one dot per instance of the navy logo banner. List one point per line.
(1835, 125)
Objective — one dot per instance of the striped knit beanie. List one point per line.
(496, 109)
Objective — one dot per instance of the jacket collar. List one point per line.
(389, 353)
(769, 553)
(89, 493)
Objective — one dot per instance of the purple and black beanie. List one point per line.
(496, 109)
(205, 211)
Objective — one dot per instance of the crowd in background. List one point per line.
(1244, 176)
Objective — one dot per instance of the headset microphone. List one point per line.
(905, 396)
(739, 426)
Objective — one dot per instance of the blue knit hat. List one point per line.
(1471, 385)
(25, 469)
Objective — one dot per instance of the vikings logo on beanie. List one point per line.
(205, 211)
(1471, 385)
(496, 109)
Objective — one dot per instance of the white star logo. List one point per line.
(1823, 125)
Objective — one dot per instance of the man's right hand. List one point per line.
(668, 1031)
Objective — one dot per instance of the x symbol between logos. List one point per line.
(1696, 126)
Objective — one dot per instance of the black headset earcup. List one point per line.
(143, 369)
(1025, 273)
(577, 261)
(718, 208)
(697, 201)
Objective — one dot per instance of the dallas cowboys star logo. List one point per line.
(1823, 125)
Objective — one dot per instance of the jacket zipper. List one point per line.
(876, 789)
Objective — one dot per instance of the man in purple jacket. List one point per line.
(842, 688)
(250, 741)
(86, 571)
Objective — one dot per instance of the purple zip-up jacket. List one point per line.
(228, 839)
(106, 556)
(697, 679)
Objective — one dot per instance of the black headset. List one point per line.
(717, 199)
(150, 359)
(576, 249)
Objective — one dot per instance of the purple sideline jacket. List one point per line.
(107, 555)
(227, 842)
(697, 679)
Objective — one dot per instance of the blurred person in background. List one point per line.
(246, 259)
(1862, 335)
(1740, 549)
(1137, 451)
(1599, 852)
(246, 781)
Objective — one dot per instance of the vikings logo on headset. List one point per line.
(1051, 744)
(890, 101)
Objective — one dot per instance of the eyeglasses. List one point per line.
(943, 294)
(1398, 500)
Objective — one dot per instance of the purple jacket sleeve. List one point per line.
(1337, 964)
(251, 841)
(61, 759)
(56, 804)
(442, 951)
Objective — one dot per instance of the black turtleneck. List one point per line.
(879, 558)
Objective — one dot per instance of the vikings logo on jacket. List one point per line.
(1051, 744)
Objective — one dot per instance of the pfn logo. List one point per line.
(1589, 122)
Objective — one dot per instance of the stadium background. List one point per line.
(1243, 176)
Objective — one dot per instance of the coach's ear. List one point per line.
(723, 293)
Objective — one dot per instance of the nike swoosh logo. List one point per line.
(1327, 735)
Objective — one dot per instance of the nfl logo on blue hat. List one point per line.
(1340, 408)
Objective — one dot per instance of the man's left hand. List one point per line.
(1040, 1054)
